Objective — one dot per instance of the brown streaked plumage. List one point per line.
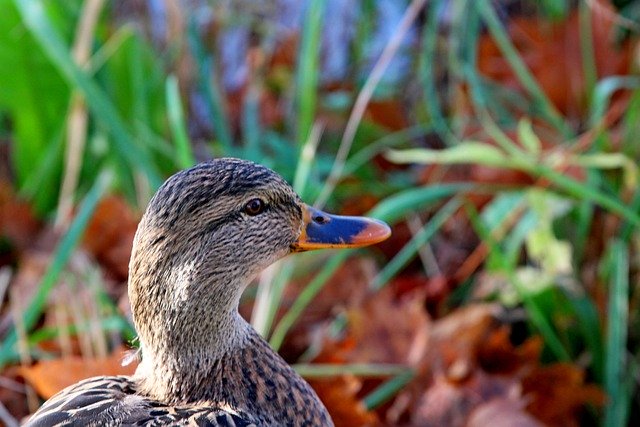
(206, 233)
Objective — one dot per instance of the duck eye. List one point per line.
(254, 207)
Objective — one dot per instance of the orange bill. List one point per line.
(322, 230)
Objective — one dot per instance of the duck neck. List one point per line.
(187, 321)
(248, 379)
(196, 348)
(178, 368)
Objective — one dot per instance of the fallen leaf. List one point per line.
(348, 287)
(558, 393)
(541, 43)
(12, 393)
(498, 355)
(448, 403)
(456, 338)
(387, 113)
(109, 235)
(48, 377)
(339, 395)
(501, 412)
(18, 223)
(389, 330)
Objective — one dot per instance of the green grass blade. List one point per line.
(603, 92)
(582, 191)
(139, 91)
(539, 318)
(570, 186)
(628, 228)
(111, 323)
(407, 253)
(615, 369)
(427, 70)
(397, 206)
(587, 53)
(388, 389)
(60, 257)
(184, 154)
(36, 186)
(269, 298)
(305, 161)
(306, 296)
(517, 64)
(391, 140)
(591, 329)
(308, 69)
(36, 20)
(324, 370)
(251, 126)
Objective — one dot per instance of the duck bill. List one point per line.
(322, 230)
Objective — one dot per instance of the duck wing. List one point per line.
(112, 401)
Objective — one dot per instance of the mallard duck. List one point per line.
(207, 232)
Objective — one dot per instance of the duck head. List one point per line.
(206, 233)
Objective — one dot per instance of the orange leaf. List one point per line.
(109, 235)
(387, 330)
(499, 355)
(541, 44)
(558, 392)
(17, 221)
(339, 396)
(50, 376)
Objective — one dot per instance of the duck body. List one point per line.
(267, 389)
(205, 235)
(114, 401)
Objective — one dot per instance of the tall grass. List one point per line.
(140, 115)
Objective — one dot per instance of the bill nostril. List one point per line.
(319, 219)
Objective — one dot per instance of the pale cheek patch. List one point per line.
(181, 277)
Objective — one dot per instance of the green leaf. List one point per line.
(308, 69)
(397, 206)
(606, 161)
(615, 370)
(528, 138)
(464, 153)
(37, 22)
(551, 254)
(178, 126)
(60, 257)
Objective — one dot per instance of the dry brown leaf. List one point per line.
(456, 338)
(473, 374)
(389, 330)
(541, 43)
(448, 403)
(501, 412)
(339, 395)
(50, 376)
(17, 220)
(558, 393)
(13, 393)
(109, 235)
(348, 287)
(387, 113)
(499, 356)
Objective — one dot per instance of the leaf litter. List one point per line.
(468, 368)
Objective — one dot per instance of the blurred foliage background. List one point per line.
(497, 137)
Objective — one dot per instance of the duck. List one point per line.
(205, 235)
